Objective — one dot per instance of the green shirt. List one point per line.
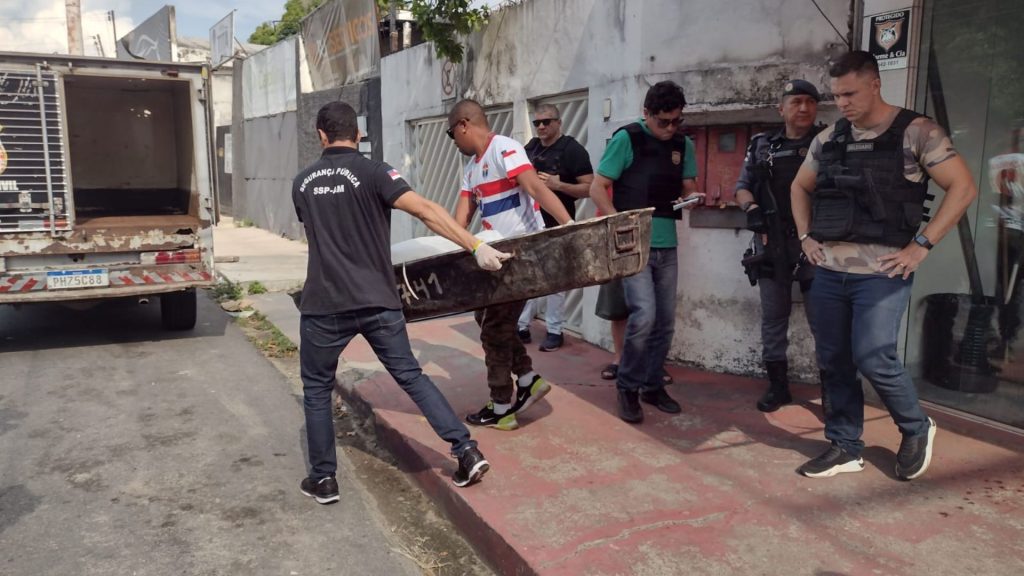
(618, 156)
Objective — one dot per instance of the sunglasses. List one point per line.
(543, 122)
(666, 122)
(451, 130)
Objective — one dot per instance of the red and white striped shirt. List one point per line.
(490, 181)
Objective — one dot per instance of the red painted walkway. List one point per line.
(711, 491)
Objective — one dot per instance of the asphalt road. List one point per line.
(125, 449)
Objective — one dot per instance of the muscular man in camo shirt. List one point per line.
(858, 201)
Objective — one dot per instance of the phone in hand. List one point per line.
(687, 202)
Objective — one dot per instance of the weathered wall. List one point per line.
(730, 56)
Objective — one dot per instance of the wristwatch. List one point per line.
(805, 236)
(746, 206)
(923, 241)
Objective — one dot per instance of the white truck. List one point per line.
(105, 182)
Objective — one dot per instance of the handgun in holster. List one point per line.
(753, 259)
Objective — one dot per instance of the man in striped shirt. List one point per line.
(502, 183)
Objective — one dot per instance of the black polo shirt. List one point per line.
(344, 200)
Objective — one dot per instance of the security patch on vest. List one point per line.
(677, 157)
(803, 152)
(860, 147)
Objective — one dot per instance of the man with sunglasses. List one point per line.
(501, 181)
(563, 165)
(651, 166)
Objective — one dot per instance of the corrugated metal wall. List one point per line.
(437, 164)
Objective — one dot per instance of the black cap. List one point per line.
(798, 86)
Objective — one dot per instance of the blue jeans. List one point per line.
(857, 324)
(651, 300)
(323, 338)
(554, 315)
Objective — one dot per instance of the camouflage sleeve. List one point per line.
(814, 152)
(930, 145)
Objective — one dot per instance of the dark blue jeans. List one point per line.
(651, 300)
(857, 323)
(323, 338)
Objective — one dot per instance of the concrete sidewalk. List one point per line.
(710, 491)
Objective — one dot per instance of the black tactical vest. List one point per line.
(549, 160)
(655, 178)
(861, 194)
(779, 161)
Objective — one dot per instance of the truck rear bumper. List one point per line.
(124, 281)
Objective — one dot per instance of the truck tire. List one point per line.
(178, 310)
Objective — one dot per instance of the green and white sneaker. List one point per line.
(527, 396)
(487, 417)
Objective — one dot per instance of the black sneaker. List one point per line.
(527, 396)
(661, 400)
(524, 335)
(472, 467)
(487, 417)
(915, 454)
(629, 407)
(551, 342)
(325, 490)
(833, 461)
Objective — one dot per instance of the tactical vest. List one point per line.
(862, 195)
(549, 160)
(655, 178)
(778, 166)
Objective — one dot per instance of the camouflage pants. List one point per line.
(504, 353)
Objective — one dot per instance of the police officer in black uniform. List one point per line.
(775, 259)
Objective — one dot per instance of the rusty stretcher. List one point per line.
(546, 262)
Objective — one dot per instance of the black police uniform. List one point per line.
(771, 164)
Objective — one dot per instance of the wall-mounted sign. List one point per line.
(890, 39)
(222, 38)
(447, 80)
(154, 39)
(341, 43)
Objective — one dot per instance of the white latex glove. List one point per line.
(488, 258)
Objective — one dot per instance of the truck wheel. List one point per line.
(178, 310)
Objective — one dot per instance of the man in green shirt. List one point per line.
(651, 166)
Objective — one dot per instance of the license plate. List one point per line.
(65, 279)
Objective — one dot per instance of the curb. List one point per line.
(488, 542)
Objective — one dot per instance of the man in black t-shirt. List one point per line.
(344, 200)
(563, 165)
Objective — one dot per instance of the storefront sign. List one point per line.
(341, 43)
(890, 39)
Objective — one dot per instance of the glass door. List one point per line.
(965, 343)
